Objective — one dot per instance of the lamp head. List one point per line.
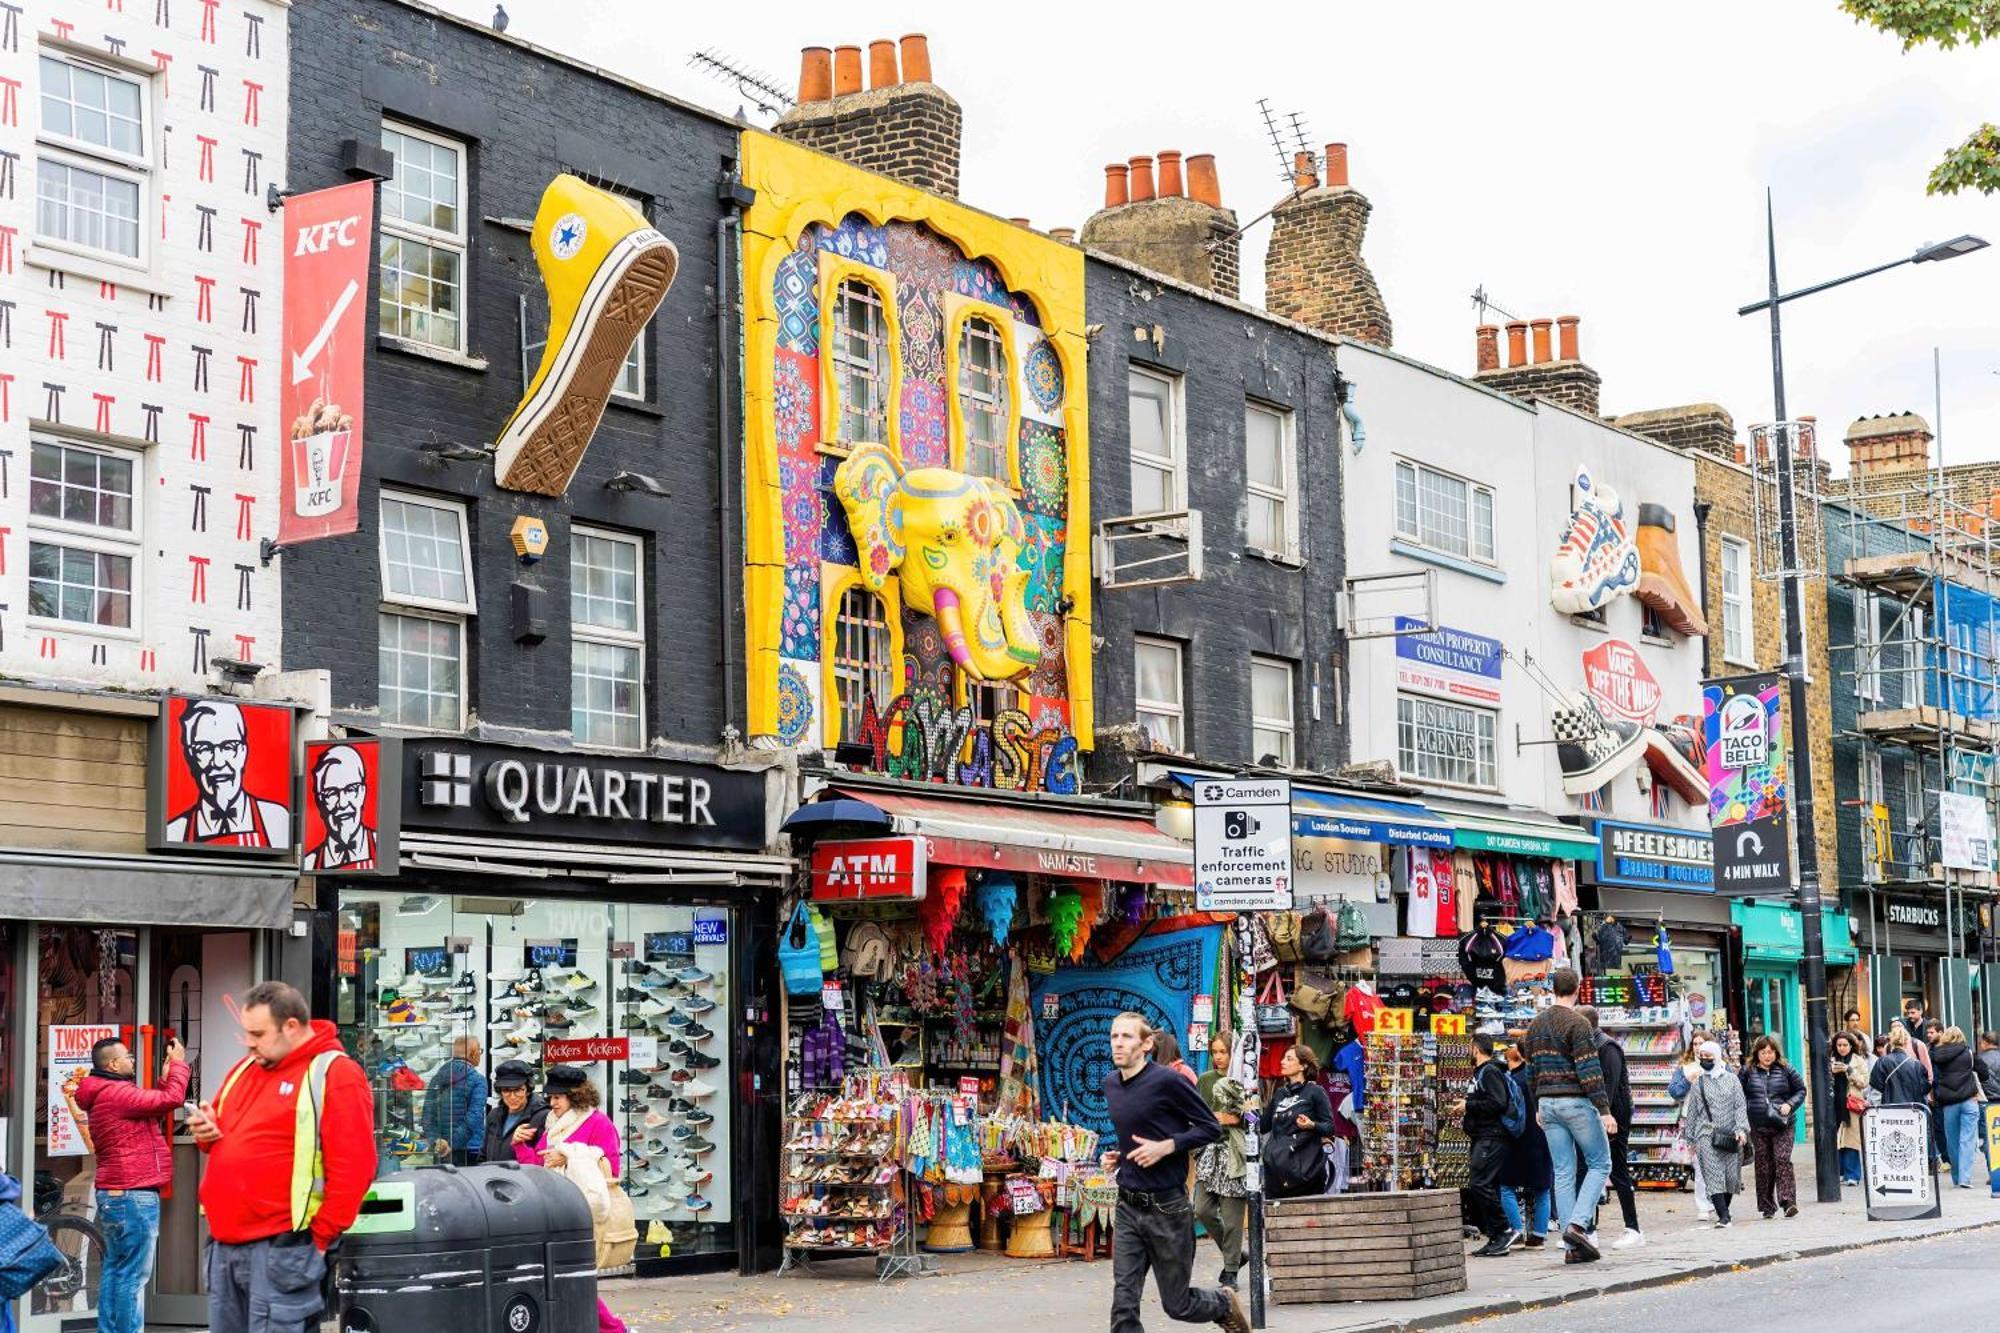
(1952, 249)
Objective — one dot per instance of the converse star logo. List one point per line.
(567, 238)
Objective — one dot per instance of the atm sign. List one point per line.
(873, 869)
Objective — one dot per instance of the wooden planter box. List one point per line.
(1397, 1246)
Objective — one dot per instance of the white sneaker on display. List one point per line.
(1631, 1240)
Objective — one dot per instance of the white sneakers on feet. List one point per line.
(1631, 1240)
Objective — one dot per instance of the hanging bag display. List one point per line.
(1317, 941)
(798, 954)
(1274, 1014)
(1351, 929)
(1283, 928)
(1313, 1002)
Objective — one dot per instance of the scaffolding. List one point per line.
(1921, 568)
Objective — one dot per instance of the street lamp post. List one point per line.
(1826, 1155)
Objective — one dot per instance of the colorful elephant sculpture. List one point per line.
(957, 543)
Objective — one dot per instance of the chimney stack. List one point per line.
(1695, 428)
(902, 125)
(1313, 269)
(1557, 373)
(1489, 347)
(1888, 446)
(1177, 227)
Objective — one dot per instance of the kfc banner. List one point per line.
(221, 778)
(327, 235)
(353, 807)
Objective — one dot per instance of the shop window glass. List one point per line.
(982, 397)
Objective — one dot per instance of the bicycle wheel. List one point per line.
(82, 1246)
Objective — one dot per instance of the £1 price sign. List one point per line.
(1399, 1021)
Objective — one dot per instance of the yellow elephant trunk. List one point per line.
(945, 600)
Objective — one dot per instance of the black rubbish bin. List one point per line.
(481, 1249)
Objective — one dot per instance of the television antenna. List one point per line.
(759, 87)
(1484, 303)
(1277, 133)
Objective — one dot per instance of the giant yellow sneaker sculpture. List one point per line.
(605, 271)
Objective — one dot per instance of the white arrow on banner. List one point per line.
(302, 361)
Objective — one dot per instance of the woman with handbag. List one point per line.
(1772, 1093)
(1715, 1121)
(1851, 1063)
(581, 1142)
(1221, 1171)
(1301, 1116)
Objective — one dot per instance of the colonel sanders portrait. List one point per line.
(215, 747)
(340, 790)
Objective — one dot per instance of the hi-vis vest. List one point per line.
(308, 1162)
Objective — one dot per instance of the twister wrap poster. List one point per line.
(1749, 777)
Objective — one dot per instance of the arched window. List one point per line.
(982, 398)
(863, 658)
(860, 352)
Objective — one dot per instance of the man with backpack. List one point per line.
(290, 1138)
(1489, 1102)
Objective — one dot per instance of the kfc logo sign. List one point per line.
(875, 869)
(221, 777)
(319, 238)
(1619, 679)
(349, 828)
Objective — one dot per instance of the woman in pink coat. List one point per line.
(575, 1121)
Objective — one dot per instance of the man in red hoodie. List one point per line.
(290, 1139)
(128, 1131)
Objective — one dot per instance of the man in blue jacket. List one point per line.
(454, 1115)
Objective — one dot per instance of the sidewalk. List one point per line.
(1072, 1295)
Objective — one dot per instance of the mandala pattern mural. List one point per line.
(858, 239)
(1043, 371)
(1024, 310)
(795, 400)
(923, 337)
(978, 279)
(1043, 555)
(1044, 469)
(800, 630)
(795, 704)
(926, 425)
(797, 299)
(1049, 679)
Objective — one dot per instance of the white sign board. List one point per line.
(69, 1049)
(1967, 831)
(1896, 1163)
(1243, 844)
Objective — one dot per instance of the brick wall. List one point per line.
(1313, 269)
(909, 132)
(1706, 427)
(1571, 383)
(1180, 237)
(524, 117)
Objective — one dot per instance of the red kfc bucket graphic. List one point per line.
(319, 446)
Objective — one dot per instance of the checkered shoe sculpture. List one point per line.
(1598, 559)
(1591, 748)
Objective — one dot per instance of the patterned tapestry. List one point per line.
(1159, 976)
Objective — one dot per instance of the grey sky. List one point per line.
(1602, 159)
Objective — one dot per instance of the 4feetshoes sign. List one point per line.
(1619, 679)
(1650, 856)
(476, 788)
(1749, 783)
(1243, 844)
(1896, 1164)
(1447, 661)
(353, 814)
(869, 869)
(221, 778)
(327, 238)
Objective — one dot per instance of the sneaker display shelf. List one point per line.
(676, 1164)
(1644, 1013)
(843, 1187)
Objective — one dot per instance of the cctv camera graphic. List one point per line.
(1238, 824)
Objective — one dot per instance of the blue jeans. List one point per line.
(1850, 1165)
(1511, 1205)
(131, 1226)
(1962, 1135)
(1572, 1126)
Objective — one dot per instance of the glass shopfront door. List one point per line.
(1771, 1006)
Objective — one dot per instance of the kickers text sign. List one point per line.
(1242, 844)
(327, 238)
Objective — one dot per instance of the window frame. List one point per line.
(458, 242)
(460, 623)
(1143, 707)
(836, 585)
(834, 272)
(1409, 771)
(458, 509)
(1867, 647)
(1475, 491)
(959, 313)
(138, 169)
(1874, 791)
(93, 537)
(1289, 498)
(609, 636)
(1743, 601)
(1289, 725)
(1175, 464)
(1914, 805)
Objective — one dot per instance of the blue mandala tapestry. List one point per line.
(1159, 976)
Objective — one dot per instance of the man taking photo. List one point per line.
(128, 1131)
(290, 1139)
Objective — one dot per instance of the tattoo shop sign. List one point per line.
(516, 792)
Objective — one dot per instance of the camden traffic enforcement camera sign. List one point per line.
(1896, 1164)
(1243, 844)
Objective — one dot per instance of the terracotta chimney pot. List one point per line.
(1302, 172)
(1517, 343)
(882, 65)
(1067, 235)
(1115, 195)
(1541, 328)
(1142, 179)
(1020, 222)
(1336, 166)
(1489, 348)
(846, 70)
(916, 58)
(1201, 180)
(1170, 174)
(815, 74)
(1566, 337)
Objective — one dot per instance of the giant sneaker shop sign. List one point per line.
(467, 787)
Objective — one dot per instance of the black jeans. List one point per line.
(1621, 1178)
(1721, 1202)
(1157, 1231)
(1482, 1186)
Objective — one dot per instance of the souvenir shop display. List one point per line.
(1452, 1162)
(842, 1185)
(1398, 1124)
